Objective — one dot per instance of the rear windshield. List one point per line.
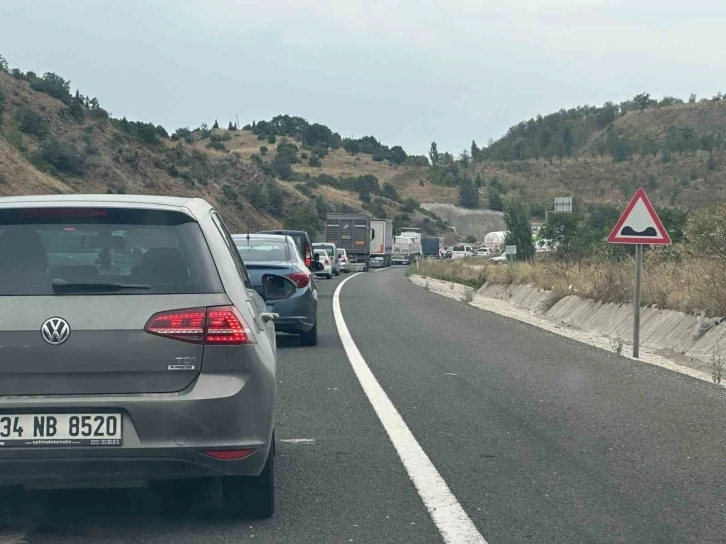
(327, 248)
(341, 252)
(103, 251)
(263, 249)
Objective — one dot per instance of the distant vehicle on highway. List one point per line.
(448, 252)
(343, 261)
(483, 252)
(495, 241)
(460, 251)
(381, 242)
(352, 232)
(430, 247)
(159, 371)
(326, 260)
(500, 259)
(302, 240)
(332, 251)
(278, 254)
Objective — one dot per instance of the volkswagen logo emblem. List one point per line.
(55, 331)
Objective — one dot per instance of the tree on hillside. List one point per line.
(470, 239)
(475, 151)
(568, 140)
(468, 194)
(464, 159)
(519, 228)
(495, 199)
(434, 154)
(641, 101)
(4, 65)
(478, 181)
(303, 217)
(232, 126)
(389, 191)
(215, 125)
(692, 98)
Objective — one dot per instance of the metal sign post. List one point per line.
(636, 299)
(639, 225)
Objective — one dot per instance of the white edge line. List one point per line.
(450, 518)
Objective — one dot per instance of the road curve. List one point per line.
(539, 439)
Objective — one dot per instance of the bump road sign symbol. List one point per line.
(639, 224)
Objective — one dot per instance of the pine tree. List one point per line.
(215, 125)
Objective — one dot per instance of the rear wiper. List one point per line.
(61, 286)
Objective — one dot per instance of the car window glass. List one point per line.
(232, 249)
(47, 252)
(263, 250)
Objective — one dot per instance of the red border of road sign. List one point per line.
(614, 237)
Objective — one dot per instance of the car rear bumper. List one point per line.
(164, 434)
(297, 314)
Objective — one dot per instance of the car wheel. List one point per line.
(310, 338)
(329, 276)
(337, 273)
(250, 496)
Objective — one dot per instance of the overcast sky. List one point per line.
(406, 72)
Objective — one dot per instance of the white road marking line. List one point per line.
(382, 269)
(298, 440)
(453, 523)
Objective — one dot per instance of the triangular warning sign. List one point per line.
(639, 224)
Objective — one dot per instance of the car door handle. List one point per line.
(267, 317)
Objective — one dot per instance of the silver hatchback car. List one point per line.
(134, 349)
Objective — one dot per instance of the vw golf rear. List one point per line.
(159, 366)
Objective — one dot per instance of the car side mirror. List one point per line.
(317, 266)
(276, 287)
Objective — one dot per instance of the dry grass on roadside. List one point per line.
(682, 283)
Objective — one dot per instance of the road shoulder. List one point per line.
(468, 295)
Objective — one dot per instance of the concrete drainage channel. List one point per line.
(689, 344)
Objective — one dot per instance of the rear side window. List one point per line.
(103, 251)
(266, 250)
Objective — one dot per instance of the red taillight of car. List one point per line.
(184, 325)
(326, 262)
(343, 260)
(216, 325)
(301, 279)
(308, 255)
(226, 326)
(228, 455)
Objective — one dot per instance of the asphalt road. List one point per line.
(539, 438)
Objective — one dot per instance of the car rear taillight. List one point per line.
(326, 262)
(226, 326)
(342, 260)
(301, 279)
(308, 255)
(216, 325)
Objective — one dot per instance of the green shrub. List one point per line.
(63, 156)
(263, 150)
(31, 122)
(271, 139)
(303, 156)
(315, 161)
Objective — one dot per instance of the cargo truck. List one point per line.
(405, 250)
(430, 247)
(381, 242)
(351, 232)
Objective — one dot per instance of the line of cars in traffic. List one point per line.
(142, 337)
(461, 251)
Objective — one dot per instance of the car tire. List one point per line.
(250, 497)
(310, 338)
(329, 276)
(337, 273)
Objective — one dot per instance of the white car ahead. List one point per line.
(327, 262)
(462, 250)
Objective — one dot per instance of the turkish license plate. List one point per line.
(44, 430)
